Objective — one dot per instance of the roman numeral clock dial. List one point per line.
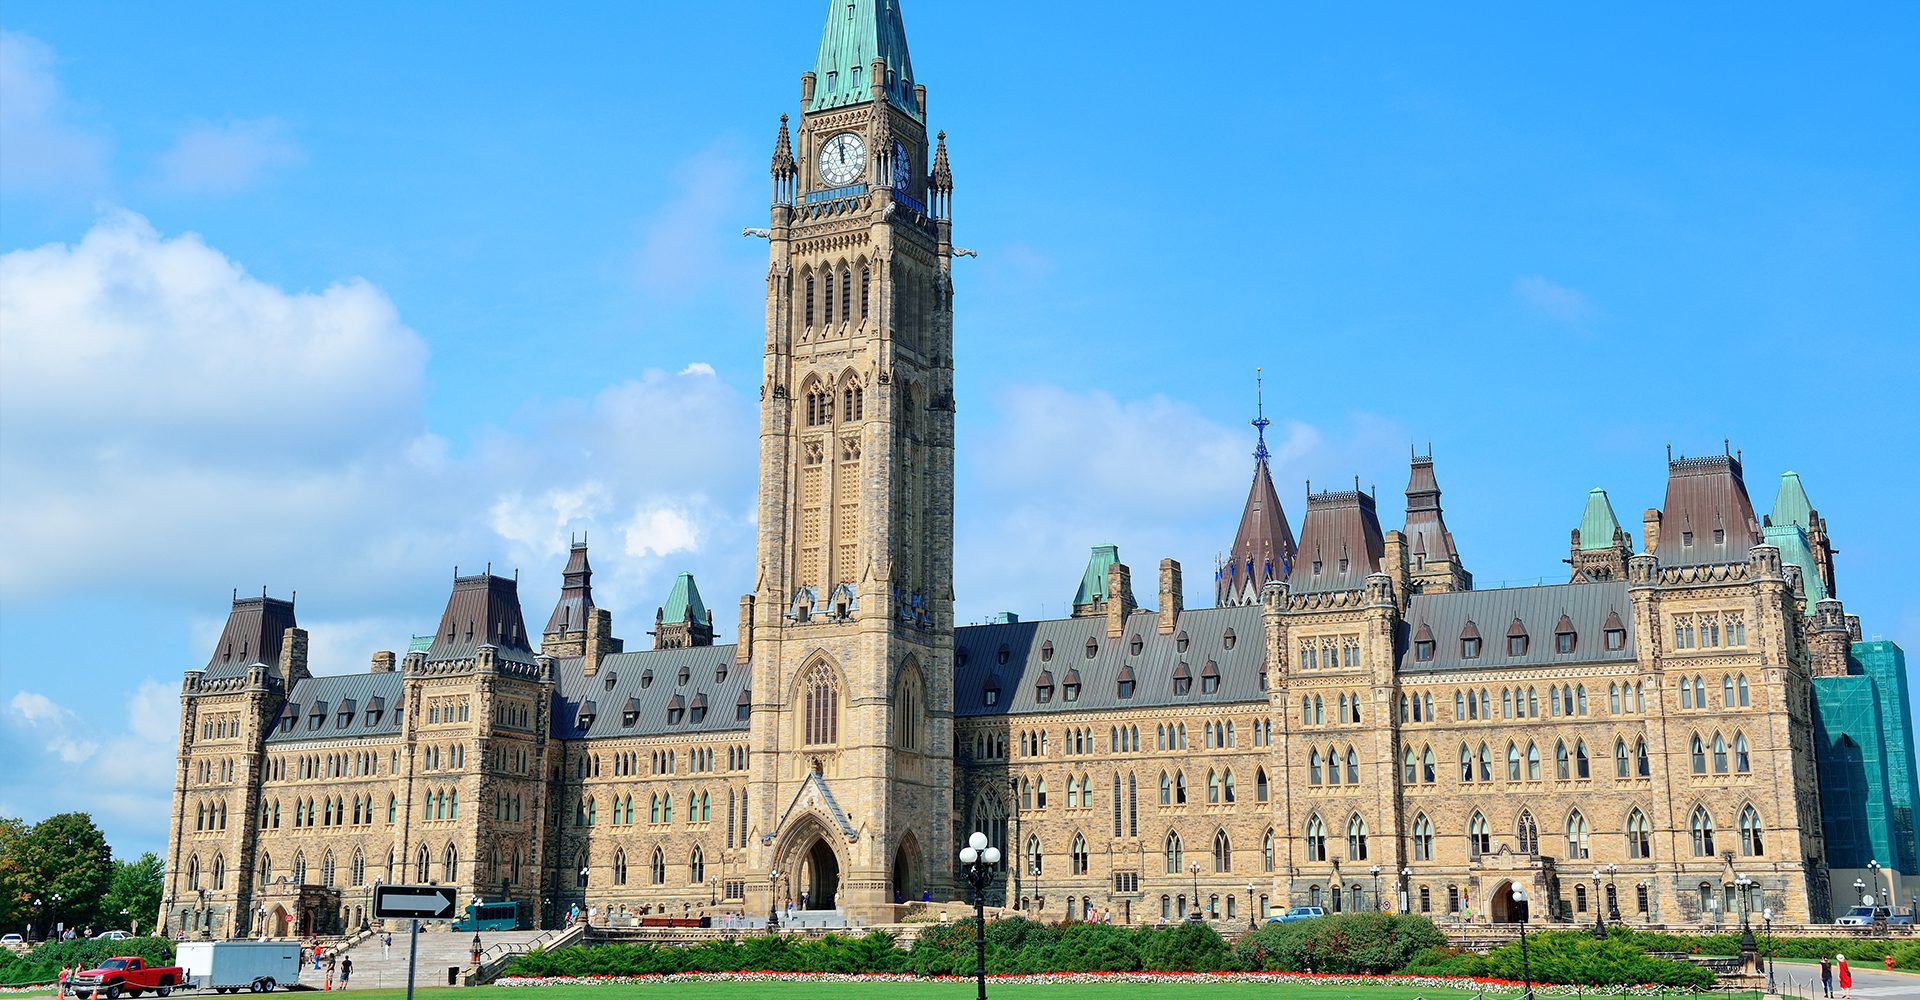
(842, 159)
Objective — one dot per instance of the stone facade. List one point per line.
(1352, 725)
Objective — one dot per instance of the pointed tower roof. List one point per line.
(256, 626)
(685, 599)
(1708, 518)
(1093, 583)
(576, 593)
(1427, 533)
(1263, 547)
(1340, 543)
(858, 32)
(1597, 523)
(483, 610)
(1790, 505)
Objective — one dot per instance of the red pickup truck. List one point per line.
(127, 975)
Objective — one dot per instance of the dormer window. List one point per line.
(1516, 645)
(1070, 688)
(1004, 655)
(1316, 567)
(1616, 639)
(676, 710)
(1227, 640)
(1209, 678)
(1092, 648)
(1343, 565)
(1135, 646)
(743, 706)
(1182, 679)
(1043, 690)
(1423, 650)
(1470, 641)
(1046, 652)
(611, 679)
(720, 673)
(646, 678)
(1180, 642)
(686, 674)
(699, 708)
(1686, 538)
(1719, 536)
(990, 695)
(1124, 683)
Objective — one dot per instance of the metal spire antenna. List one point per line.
(1260, 421)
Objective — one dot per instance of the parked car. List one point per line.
(1297, 913)
(1866, 916)
(12, 941)
(112, 936)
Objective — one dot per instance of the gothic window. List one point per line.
(1222, 852)
(1561, 769)
(1513, 762)
(846, 294)
(1699, 692)
(1409, 768)
(1751, 843)
(1166, 786)
(1554, 698)
(1742, 757)
(1740, 687)
(657, 869)
(828, 302)
(1180, 788)
(1528, 833)
(697, 867)
(1686, 694)
(1639, 836)
(1428, 772)
(1577, 844)
(1533, 762)
(1173, 853)
(1356, 838)
(1422, 838)
(1213, 788)
(1353, 767)
(1316, 839)
(1719, 754)
(1466, 763)
(1702, 829)
(1319, 711)
(821, 701)
(1726, 690)
(866, 285)
(1266, 852)
(1486, 763)
(1226, 786)
(1643, 766)
(1313, 766)
(809, 305)
(1533, 704)
(1133, 807)
(1621, 767)
(1077, 855)
(1582, 768)
(1479, 836)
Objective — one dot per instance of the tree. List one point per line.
(136, 888)
(68, 868)
(16, 896)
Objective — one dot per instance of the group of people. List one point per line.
(336, 964)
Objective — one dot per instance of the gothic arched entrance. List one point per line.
(1502, 909)
(279, 920)
(820, 876)
(906, 872)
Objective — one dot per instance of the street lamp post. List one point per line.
(1859, 890)
(1599, 911)
(712, 898)
(1193, 867)
(1526, 969)
(1406, 890)
(976, 866)
(1249, 906)
(1375, 872)
(773, 900)
(1613, 893)
(1767, 915)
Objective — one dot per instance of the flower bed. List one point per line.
(1500, 986)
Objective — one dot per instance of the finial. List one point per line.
(1260, 421)
(1669, 451)
(236, 593)
(293, 597)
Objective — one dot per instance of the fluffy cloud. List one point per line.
(1553, 301)
(61, 731)
(125, 781)
(222, 158)
(47, 147)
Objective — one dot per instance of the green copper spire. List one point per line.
(1598, 524)
(1093, 585)
(857, 33)
(1790, 505)
(685, 598)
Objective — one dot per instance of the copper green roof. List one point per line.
(1791, 540)
(857, 33)
(685, 598)
(1790, 505)
(1598, 524)
(1093, 584)
(420, 644)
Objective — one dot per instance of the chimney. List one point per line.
(1120, 602)
(743, 652)
(1171, 598)
(600, 640)
(293, 655)
(1650, 529)
(383, 662)
(807, 80)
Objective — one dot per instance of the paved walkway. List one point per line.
(1797, 980)
(375, 967)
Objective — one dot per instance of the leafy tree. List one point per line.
(136, 888)
(66, 856)
(16, 895)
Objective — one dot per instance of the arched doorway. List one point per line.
(820, 876)
(1502, 909)
(906, 874)
(279, 921)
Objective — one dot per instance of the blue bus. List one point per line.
(505, 916)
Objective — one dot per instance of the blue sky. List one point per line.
(332, 299)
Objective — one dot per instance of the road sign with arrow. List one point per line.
(418, 902)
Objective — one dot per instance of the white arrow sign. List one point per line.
(428, 902)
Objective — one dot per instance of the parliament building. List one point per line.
(1352, 723)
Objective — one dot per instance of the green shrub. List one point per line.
(1184, 947)
(1907, 956)
(1341, 943)
(1569, 957)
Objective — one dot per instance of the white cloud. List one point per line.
(125, 781)
(697, 368)
(1553, 301)
(660, 531)
(222, 158)
(47, 148)
(61, 732)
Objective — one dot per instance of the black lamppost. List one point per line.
(1406, 890)
(712, 898)
(1745, 885)
(1613, 894)
(1249, 906)
(976, 866)
(1767, 915)
(1375, 872)
(1599, 911)
(1194, 868)
(773, 900)
(1526, 969)
(1859, 890)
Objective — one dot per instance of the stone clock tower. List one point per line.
(852, 626)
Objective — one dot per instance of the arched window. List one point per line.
(1173, 853)
(657, 870)
(1260, 784)
(1529, 833)
(1621, 766)
(326, 869)
(1466, 763)
(828, 303)
(1742, 759)
(1356, 838)
(359, 870)
(1726, 690)
(1719, 754)
(697, 867)
(1313, 766)
(1613, 698)
(1479, 836)
(1266, 852)
(809, 303)
(1409, 768)
(1422, 838)
(1740, 686)
(1486, 763)
(1639, 836)
(1222, 852)
(1561, 762)
(1316, 839)
(1582, 767)
(1513, 762)
(619, 867)
(1428, 768)
(1577, 845)
(450, 865)
(1702, 830)
(1226, 786)
(1213, 788)
(1751, 843)
(1180, 788)
(821, 701)
(1642, 764)
(1353, 767)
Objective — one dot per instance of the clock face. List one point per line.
(842, 159)
(902, 167)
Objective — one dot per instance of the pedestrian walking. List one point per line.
(386, 945)
(316, 956)
(346, 971)
(1846, 976)
(1826, 976)
(331, 963)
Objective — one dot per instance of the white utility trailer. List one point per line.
(240, 966)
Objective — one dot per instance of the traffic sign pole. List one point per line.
(413, 954)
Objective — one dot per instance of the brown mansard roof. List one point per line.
(1704, 496)
(254, 631)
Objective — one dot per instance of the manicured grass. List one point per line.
(943, 990)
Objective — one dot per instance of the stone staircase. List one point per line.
(376, 967)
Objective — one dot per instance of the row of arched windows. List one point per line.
(820, 287)
(1346, 709)
(1638, 834)
(1734, 692)
(1741, 758)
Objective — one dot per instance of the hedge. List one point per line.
(1375, 943)
(43, 963)
(1570, 957)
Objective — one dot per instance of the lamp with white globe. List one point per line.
(977, 861)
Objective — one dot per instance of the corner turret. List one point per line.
(684, 621)
(1600, 548)
(1433, 563)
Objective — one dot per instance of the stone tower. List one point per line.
(852, 638)
(1600, 549)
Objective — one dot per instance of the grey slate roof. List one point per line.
(633, 692)
(977, 660)
(256, 627)
(359, 694)
(1492, 614)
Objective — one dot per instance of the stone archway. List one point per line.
(819, 875)
(279, 919)
(1501, 907)
(906, 870)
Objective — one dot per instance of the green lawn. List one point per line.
(946, 990)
